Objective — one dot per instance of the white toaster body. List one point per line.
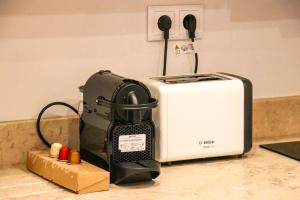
(201, 116)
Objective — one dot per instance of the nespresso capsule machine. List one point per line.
(118, 131)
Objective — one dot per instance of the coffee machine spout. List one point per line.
(135, 115)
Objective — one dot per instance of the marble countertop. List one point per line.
(260, 174)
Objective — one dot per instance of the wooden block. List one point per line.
(80, 178)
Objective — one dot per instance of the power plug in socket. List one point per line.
(157, 34)
(177, 14)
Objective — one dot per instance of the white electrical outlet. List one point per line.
(154, 13)
(177, 14)
(157, 15)
(197, 11)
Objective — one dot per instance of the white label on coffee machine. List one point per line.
(130, 143)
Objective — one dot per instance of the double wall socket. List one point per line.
(177, 14)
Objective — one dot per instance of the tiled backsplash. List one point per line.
(272, 117)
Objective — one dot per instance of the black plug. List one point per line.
(164, 24)
(190, 23)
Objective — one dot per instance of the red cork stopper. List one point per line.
(64, 154)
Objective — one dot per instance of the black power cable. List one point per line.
(38, 121)
(164, 24)
(196, 63)
(165, 57)
(190, 23)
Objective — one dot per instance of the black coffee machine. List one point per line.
(118, 132)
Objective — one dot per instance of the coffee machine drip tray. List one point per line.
(289, 149)
(129, 172)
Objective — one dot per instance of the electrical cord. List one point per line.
(196, 60)
(38, 121)
(164, 24)
(196, 63)
(165, 57)
(190, 24)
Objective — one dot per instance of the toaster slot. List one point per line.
(190, 78)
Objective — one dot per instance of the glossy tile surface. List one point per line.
(259, 175)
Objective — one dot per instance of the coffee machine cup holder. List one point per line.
(129, 172)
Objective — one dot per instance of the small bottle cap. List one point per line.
(74, 157)
(64, 153)
(54, 151)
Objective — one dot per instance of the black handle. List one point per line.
(152, 104)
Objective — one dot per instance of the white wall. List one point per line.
(50, 47)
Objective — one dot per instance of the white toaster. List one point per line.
(201, 115)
